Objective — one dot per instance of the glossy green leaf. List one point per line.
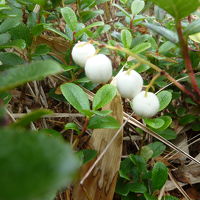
(158, 148)
(4, 38)
(137, 187)
(48, 27)
(15, 43)
(169, 198)
(87, 155)
(146, 152)
(137, 6)
(141, 47)
(72, 126)
(103, 96)
(21, 32)
(168, 133)
(41, 49)
(38, 163)
(167, 122)
(122, 10)
(168, 34)
(31, 117)
(165, 98)
(102, 113)
(87, 15)
(192, 28)
(69, 17)
(75, 96)
(8, 24)
(83, 30)
(178, 8)
(126, 38)
(8, 58)
(155, 123)
(24, 73)
(159, 175)
(98, 122)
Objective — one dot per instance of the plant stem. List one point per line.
(185, 52)
(151, 82)
(156, 68)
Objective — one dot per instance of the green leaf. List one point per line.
(192, 28)
(158, 148)
(24, 73)
(126, 38)
(38, 163)
(83, 30)
(165, 98)
(159, 175)
(178, 8)
(4, 38)
(72, 126)
(87, 15)
(69, 17)
(123, 11)
(15, 43)
(21, 32)
(97, 122)
(146, 153)
(31, 117)
(167, 122)
(41, 49)
(8, 24)
(168, 133)
(103, 96)
(169, 198)
(48, 27)
(166, 47)
(137, 6)
(149, 197)
(137, 187)
(155, 123)
(8, 58)
(141, 47)
(102, 113)
(187, 119)
(168, 34)
(75, 96)
(87, 155)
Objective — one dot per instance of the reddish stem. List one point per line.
(185, 52)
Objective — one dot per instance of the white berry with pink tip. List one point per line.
(98, 68)
(145, 104)
(129, 84)
(81, 52)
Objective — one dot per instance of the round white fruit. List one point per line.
(81, 52)
(98, 68)
(129, 84)
(145, 105)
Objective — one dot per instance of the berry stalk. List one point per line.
(156, 68)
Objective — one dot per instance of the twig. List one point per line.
(185, 51)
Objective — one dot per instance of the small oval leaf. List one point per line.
(103, 96)
(165, 98)
(75, 96)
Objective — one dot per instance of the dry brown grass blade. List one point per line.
(100, 183)
(150, 132)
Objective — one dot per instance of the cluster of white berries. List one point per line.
(98, 68)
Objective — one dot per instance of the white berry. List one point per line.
(145, 105)
(98, 68)
(81, 52)
(129, 84)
